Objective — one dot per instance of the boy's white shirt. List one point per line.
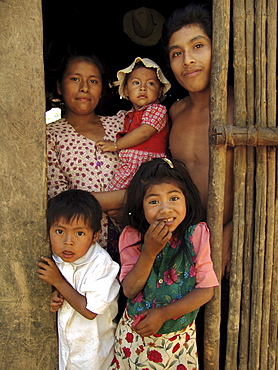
(83, 343)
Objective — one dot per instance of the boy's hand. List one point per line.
(49, 272)
(56, 301)
(106, 146)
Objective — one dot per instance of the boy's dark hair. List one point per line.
(156, 172)
(190, 14)
(74, 203)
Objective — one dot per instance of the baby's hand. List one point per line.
(56, 301)
(106, 146)
(156, 237)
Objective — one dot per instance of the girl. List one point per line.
(73, 161)
(145, 131)
(167, 272)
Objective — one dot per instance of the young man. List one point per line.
(187, 43)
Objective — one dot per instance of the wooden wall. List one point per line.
(253, 316)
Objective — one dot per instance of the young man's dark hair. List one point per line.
(190, 14)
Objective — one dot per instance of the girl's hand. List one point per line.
(151, 323)
(156, 237)
(106, 146)
(155, 240)
(56, 301)
(49, 272)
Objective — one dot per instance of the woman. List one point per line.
(73, 159)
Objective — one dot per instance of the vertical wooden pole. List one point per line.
(273, 319)
(261, 198)
(270, 336)
(218, 115)
(27, 339)
(249, 191)
(236, 276)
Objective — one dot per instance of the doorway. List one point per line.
(97, 28)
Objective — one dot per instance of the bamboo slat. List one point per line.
(271, 119)
(247, 266)
(273, 320)
(249, 211)
(233, 327)
(218, 113)
(271, 44)
(271, 62)
(237, 258)
(258, 261)
(214, 220)
(261, 176)
(267, 284)
(250, 73)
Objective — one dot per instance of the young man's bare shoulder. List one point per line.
(179, 107)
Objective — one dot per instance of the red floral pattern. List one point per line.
(174, 351)
(170, 276)
(74, 162)
(154, 356)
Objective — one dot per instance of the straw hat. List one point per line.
(143, 26)
(148, 63)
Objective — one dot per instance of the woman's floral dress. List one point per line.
(75, 163)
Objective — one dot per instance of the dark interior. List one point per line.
(86, 26)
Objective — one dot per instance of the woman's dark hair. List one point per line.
(67, 60)
(156, 172)
(65, 63)
(74, 203)
(188, 15)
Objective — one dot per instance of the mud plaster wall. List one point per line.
(27, 329)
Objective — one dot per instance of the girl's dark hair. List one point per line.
(74, 203)
(188, 15)
(156, 172)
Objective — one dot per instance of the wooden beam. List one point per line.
(251, 136)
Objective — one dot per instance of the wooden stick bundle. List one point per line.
(253, 315)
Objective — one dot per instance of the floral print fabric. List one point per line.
(173, 351)
(168, 283)
(74, 162)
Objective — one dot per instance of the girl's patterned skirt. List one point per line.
(176, 350)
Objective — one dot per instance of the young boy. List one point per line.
(187, 44)
(85, 278)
